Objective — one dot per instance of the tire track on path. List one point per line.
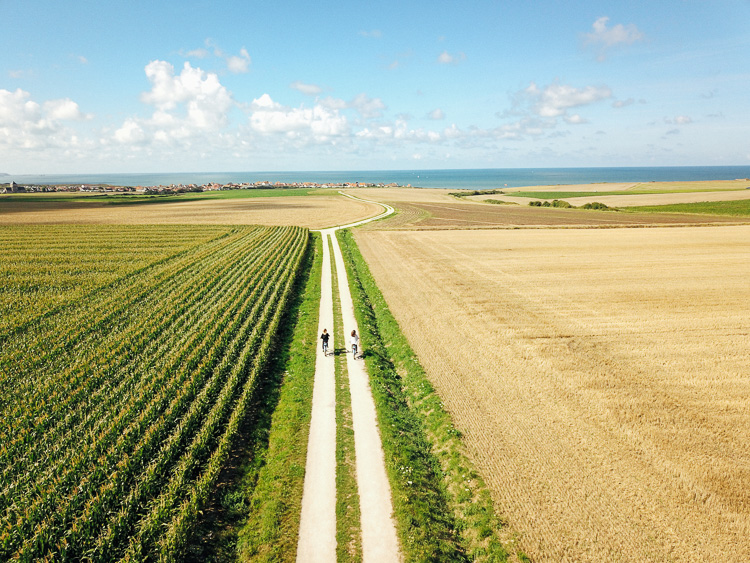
(317, 536)
(317, 532)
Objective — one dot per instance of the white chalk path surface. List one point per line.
(317, 537)
(317, 530)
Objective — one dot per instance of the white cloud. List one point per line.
(199, 53)
(264, 103)
(623, 103)
(28, 125)
(307, 89)
(374, 34)
(238, 64)
(605, 37)
(189, 107)
(678, 120)
(64, 110)
(320, 122)
(367, 107)
(574, 119)
(446, 58)
(130, 133)
(207, 101)
(17, 108)
(555, 99)
(436, 114)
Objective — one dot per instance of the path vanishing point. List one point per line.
(317, 534)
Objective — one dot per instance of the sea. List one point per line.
(477, 179)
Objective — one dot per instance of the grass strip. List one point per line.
(425, 525)
(348, 522)
(254, 514)
(443, 507)
(739, 208)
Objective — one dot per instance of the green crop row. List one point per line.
(124, 396)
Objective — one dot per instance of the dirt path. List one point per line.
(317, 533)
(317, 538)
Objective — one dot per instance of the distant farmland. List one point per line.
(129, 357)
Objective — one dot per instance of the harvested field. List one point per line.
(633, 200)
(314, 212)
(437, 210)
(641, 187)
(601, 379)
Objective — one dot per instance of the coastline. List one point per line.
(494, 178)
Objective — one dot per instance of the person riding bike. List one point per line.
(355, 344)
(324, 338)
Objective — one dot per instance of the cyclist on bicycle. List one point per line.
(355, 344)
(324, 338)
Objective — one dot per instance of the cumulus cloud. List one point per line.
(623, 103)
(42, 128)
(574, 119)
(436, 114)
(207, 101)
(445, 58)
(239, 64)
(130, 133)
(555, 99)
(320, 122)
(236, 64)
(678, 120)
(307, 89)
(187, 106)
(604, 38)
(64, 110)
(367, 107)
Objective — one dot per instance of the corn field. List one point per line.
(128, 358)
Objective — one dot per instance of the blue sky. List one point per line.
(91, 86)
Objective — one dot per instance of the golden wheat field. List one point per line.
(313, 212)
(601, 378)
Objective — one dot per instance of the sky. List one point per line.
(210, 86)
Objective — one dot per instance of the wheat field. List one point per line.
(313, 212)
(601, 379)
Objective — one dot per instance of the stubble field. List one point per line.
(313, 211)
(601, 378)
(436, 209)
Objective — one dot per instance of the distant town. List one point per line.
(13, 187)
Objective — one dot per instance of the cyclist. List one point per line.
(355, 344)
(324, 338)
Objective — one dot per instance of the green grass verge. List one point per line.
(348, 522)
(732, 208)
(443, 508)
(275, 483)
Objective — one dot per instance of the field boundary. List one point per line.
(443, 508)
